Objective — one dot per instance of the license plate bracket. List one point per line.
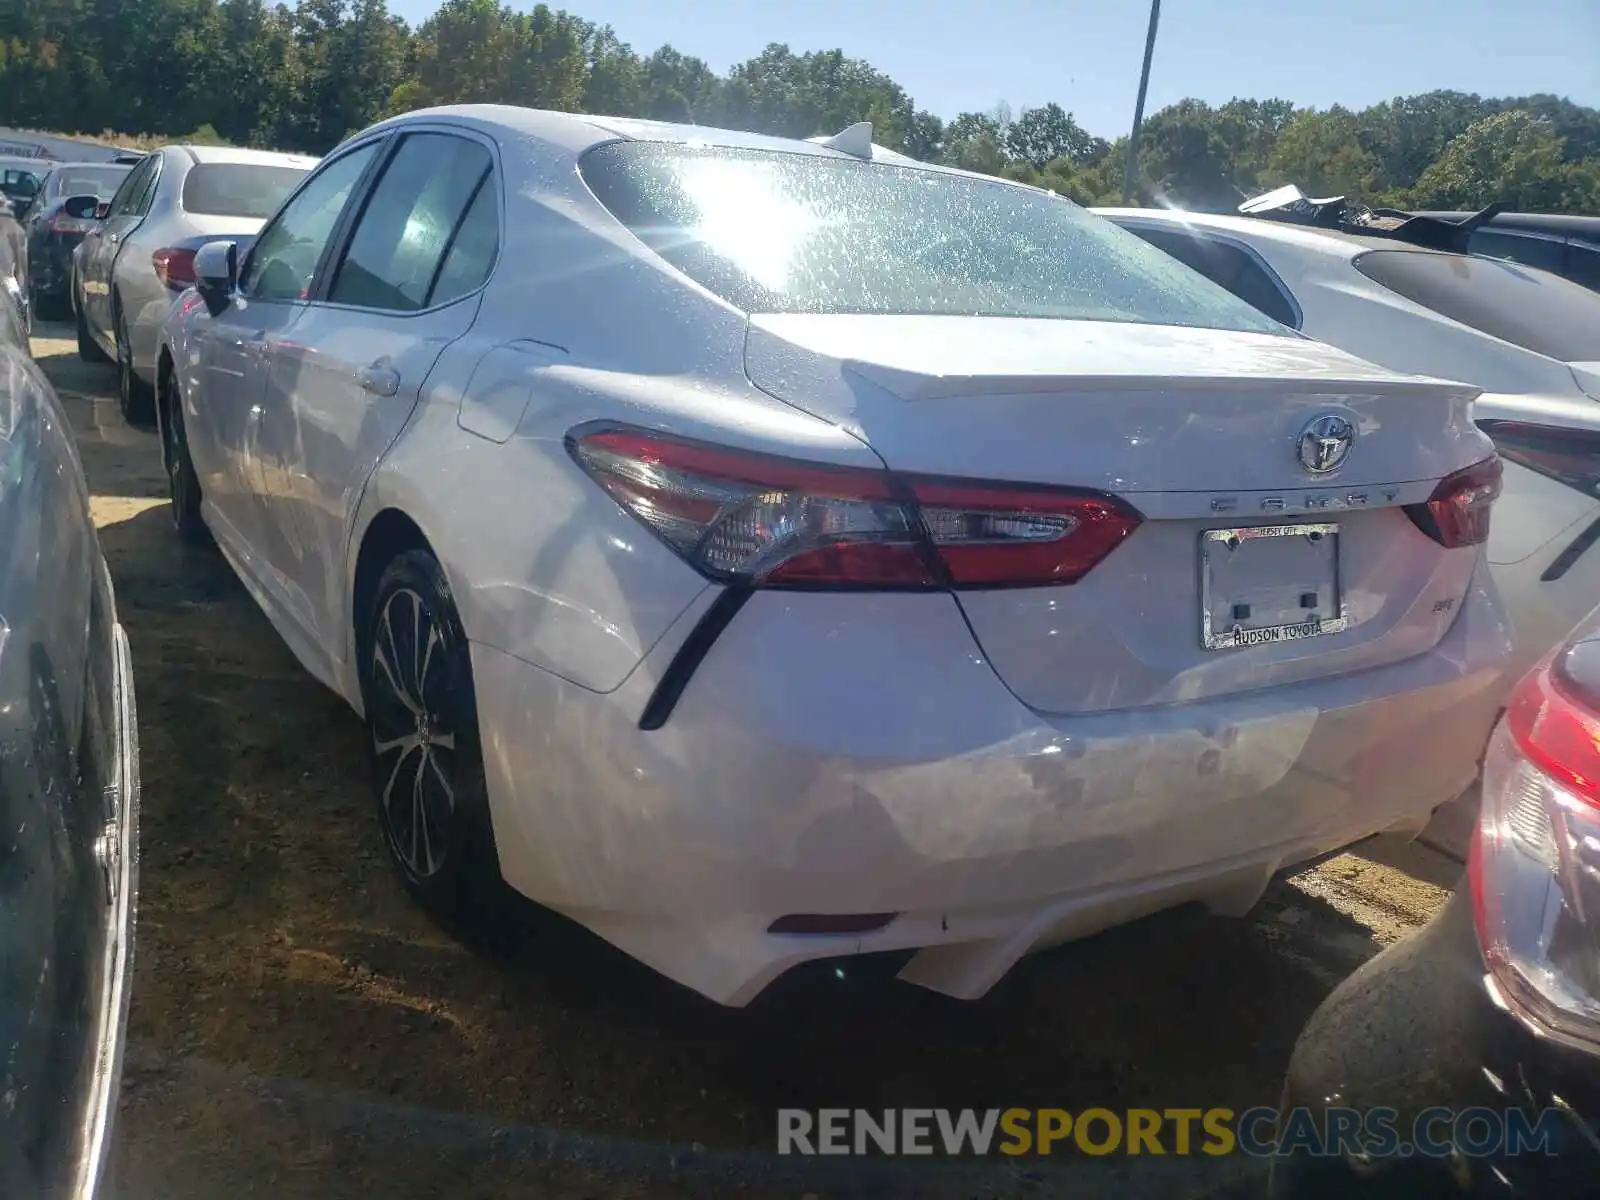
(1269, 583)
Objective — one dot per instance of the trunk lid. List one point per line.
(1199, 430)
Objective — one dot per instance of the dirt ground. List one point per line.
(300, 1029)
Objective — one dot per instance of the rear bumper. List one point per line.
(855, 754)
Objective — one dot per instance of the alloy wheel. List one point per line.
(413, 733)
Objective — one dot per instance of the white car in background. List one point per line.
(136, 259)
(763, 550)
(1529, 338)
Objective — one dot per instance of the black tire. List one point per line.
(135, 398)
(88, 349)
(47, 306)
(183, 483)
(422, 722)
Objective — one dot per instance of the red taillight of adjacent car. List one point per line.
(175, 268)
(61, 223)
(766, 521)
(1534, 869)
(1457, 514)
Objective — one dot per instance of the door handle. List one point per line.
(380, 379)
(113, 238)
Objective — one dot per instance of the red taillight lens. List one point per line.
(1457, 514)
(175, 268)
(1534, 868)
(768, 521)
(1556, 732)
(61, 223)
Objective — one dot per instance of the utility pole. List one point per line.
(1138, 106)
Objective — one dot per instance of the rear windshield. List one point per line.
(778, 232)
(101, 182)
(238, 189)
(1518, 304)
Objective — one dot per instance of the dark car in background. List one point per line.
(1481, 1031)
(19, 181)
(1560, 244)
(69, 798)
(53, 232)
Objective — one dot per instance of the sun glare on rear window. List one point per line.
(784, 232)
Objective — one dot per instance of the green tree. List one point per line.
(348, 57)
(478, 51)
(1321, 152)
(301, 74)
(1513, 158)
(1407, 133)
(615, 82)
(975, 142)
(680, 88)
(804, 95)
(1045, 133)
(1184, 157)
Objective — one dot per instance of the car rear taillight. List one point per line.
(1534, 868)
(61, 223)
(175, 268)
(765, 521)
(1457, 514)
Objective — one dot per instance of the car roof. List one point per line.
(239, 154)
(581, 132)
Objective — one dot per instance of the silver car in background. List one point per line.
(140, 255)
(69, 801)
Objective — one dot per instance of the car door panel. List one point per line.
(236, 347)
(341, 388)
(103, 243)
(231, 346)
(344, 382)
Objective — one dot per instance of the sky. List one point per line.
(968, 55)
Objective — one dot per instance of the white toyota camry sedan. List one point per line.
(765, 550)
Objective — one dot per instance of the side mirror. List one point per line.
(216, 271)
(81, 208)
(102, 210)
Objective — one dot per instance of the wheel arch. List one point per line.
(391, 532)
(166, 395)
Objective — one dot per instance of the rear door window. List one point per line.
(473, 250)
(411, 221)
(133, 186)
(1229, 265)
(1521, 305)
(251, 191)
